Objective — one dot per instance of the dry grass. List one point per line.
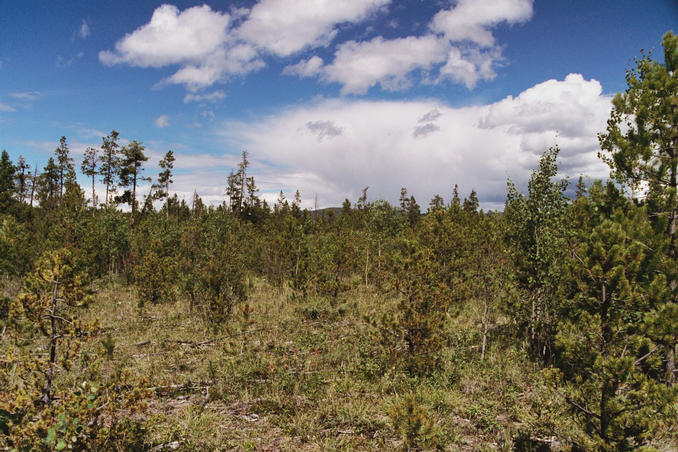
(306, 375)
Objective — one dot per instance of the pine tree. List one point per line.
(437, 203)
(110, 161)
(64, 162)
(165, 176)
(455, 196)
(419, 321)
(49, 296)
(48, 191)
(130, 174)
(22, 179)
(471, 203)
(89, 169)
(236, 183)
(610, 371)
(7, 187)
(409, 207)
(641, 147)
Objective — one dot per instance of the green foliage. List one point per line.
(641, 147)
(164, 180)
(154, 276)
(49, 185)
(110, 162)
(129, 174)
(222, 283)
(15, 246)
(107, 242)
(7, 174)
(537, 229)
(413, 424)
(36, 412)
(609, 367)
(416, 330)
(108, 346)
(350, 307)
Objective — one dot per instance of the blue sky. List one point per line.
(327, 96)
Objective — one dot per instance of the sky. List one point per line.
(327, 96)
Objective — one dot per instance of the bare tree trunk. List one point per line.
(94, 198)
(167, 197)
(134, 198)
(33, 182)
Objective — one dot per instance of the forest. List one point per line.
(172, 325)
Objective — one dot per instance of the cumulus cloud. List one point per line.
(472, 20)
(361, 65)
(460, 48)
(476, 147)
(162, 121)
(171, 37)
(207, 97)
(284, 27)
(468, 66)
(556, 105)
(196, 39)
(209, 46)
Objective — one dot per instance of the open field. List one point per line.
(306, 376)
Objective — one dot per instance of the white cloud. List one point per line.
(84, 30)
(196, 39)
(470, 65)
(209, 46)
(162, 121)
(472, 19)
(6, 108)
(284, 27)
(390, 63)
(207, 97)
(26, 95)
(565, 106)
(171, 37)
(360, 65)
(305, 68)
(425, 146)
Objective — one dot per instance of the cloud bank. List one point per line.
(334, 148)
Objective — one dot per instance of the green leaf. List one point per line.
(51, 436)
(61, 445)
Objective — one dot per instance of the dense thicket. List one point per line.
(587, 285)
